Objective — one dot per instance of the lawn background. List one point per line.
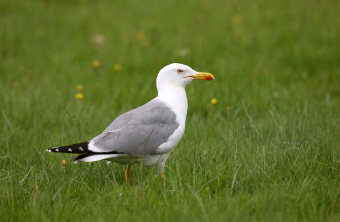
(272, 156)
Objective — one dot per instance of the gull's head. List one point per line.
(179, 75)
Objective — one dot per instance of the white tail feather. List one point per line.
(93, 158)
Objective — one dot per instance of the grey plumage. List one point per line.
(139, 131)
(146, 135)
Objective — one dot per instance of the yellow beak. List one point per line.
(203, 76)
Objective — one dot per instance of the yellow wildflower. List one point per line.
(213, 101)
(237, 19)
(79, 96)
(140, 35)
(63, 162)
(117, 67)
(96, 64)
(80, 87)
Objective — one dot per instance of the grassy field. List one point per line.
(273, 155)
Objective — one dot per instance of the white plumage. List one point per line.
(149, 133)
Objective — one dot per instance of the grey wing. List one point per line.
(139, 131)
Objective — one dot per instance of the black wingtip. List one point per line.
(78, 148)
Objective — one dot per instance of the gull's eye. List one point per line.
(179, 71)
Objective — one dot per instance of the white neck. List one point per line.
(176, 98)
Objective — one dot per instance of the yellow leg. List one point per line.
(127, 174)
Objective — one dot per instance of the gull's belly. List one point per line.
(145, 160)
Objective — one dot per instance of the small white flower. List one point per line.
(98, 39)
(183, 52)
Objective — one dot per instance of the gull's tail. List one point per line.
(86, 154)
(80, 148)
(94, 157)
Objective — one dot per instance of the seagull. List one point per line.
(148, 134)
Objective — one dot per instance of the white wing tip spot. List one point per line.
(57, 150)
(48, 150)
(81, 149)
(69, 150)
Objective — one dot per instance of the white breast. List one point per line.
(176, 99)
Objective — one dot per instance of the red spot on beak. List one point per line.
(208, 78)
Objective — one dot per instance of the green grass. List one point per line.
(274, 157)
